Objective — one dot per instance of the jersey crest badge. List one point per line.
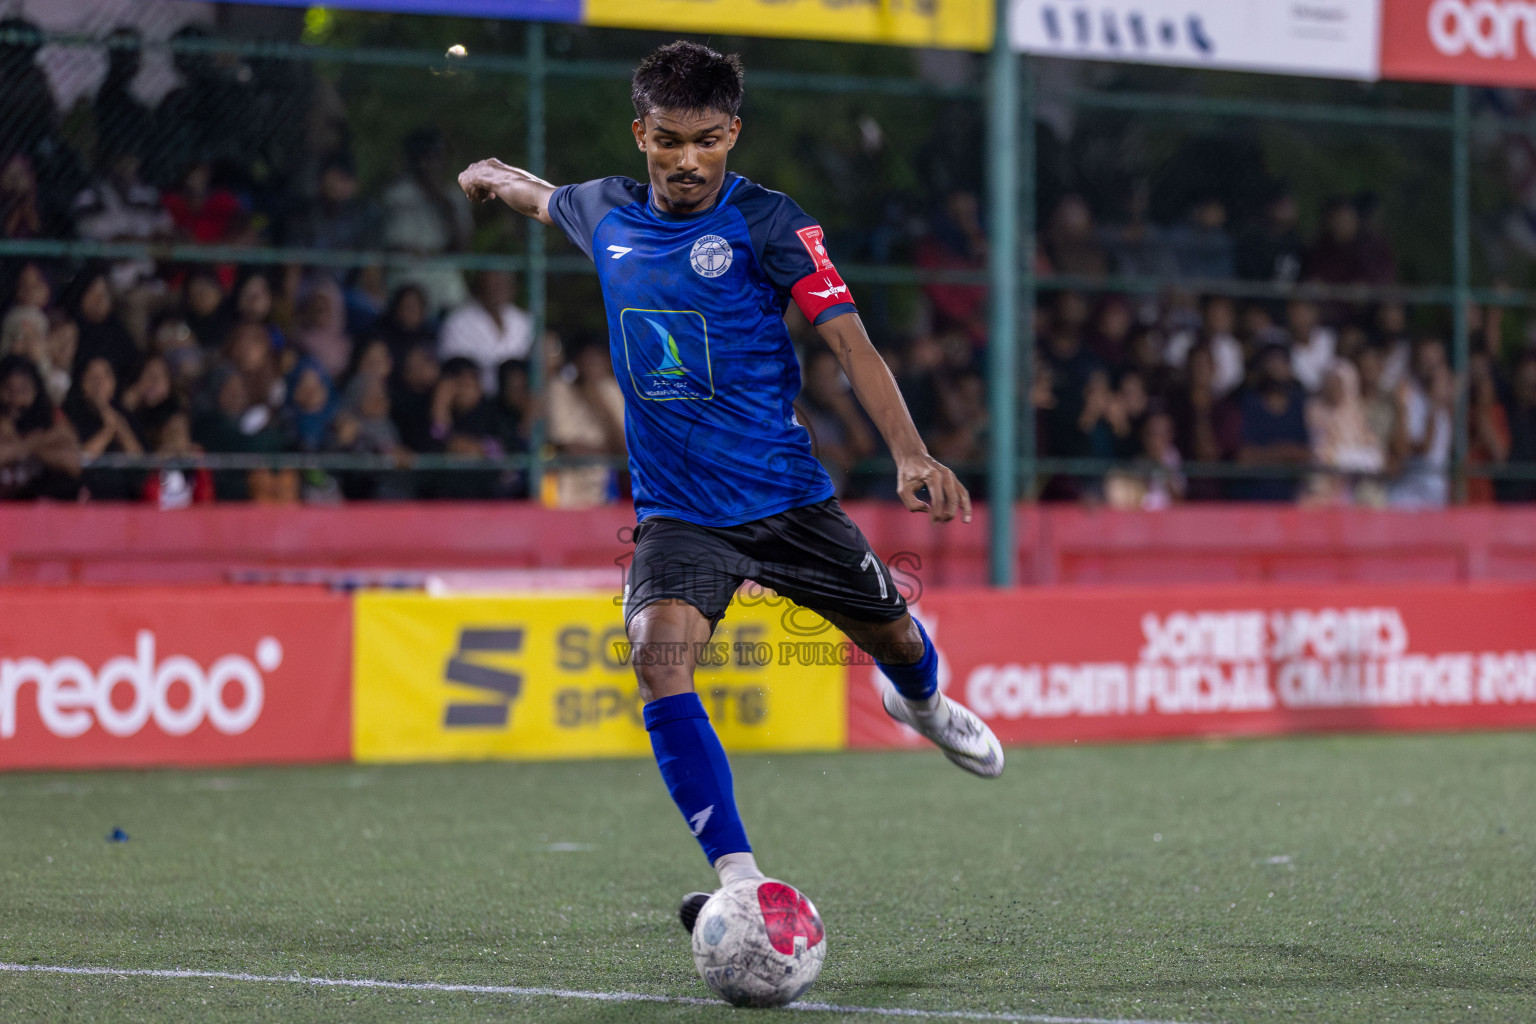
(711, 256)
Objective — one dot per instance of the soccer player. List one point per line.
(697, 266)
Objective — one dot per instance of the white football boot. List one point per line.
(954, 728)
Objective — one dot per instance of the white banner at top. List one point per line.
(1325, 38)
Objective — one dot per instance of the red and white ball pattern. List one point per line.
(759, 942)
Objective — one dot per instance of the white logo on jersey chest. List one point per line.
(711, 256)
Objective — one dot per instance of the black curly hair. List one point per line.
(689, 77)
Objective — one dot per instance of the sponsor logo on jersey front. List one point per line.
(711, 256)
(667, 354)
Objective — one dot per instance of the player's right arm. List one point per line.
(491, 179)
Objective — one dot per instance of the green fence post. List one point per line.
(1028, 443)
(1003, 201)
(1461, 197)
(537, 271)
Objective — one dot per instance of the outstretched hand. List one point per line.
(946, 495)
(479, 179)
(526, 193)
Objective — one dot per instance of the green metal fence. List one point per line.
(528, 89)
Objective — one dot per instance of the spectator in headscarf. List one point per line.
(172, 340)
(363, 427)
(321, 332)
(1342, 439)
(310, 408)
(363, 423)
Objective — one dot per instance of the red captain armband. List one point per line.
(820, 292)
(823, 289)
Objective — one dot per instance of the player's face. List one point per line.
(685, 155)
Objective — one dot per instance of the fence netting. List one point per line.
(235, 268)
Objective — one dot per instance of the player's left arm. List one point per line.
(526, 193)
(877, 392)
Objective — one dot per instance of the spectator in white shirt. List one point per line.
(1216, 331)
(1422, 445)
(119, 206)
(1313, 346)
(487, 329)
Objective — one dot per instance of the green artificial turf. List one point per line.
(1327, 879)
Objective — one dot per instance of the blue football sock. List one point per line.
(920, 680)
(698, 776)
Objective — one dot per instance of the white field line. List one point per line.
(555, 993)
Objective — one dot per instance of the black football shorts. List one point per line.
(813, 555)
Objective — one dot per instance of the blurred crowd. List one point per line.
(422, 371)
(1341, 401)
(143, 357)
(289, 362)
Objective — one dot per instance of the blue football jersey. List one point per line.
(696, 330)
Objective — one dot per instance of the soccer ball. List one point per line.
(759, 942)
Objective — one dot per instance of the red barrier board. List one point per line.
(1489, 42)
(137, 676)
(1105, 664)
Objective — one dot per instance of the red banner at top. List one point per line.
(1488, 42)
(1092, 664)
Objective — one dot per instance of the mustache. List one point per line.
(684, 179)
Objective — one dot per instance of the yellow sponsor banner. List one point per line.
(952, 24)
(536, 677)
